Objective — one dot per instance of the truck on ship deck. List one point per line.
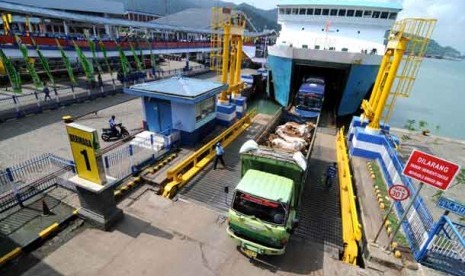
(263, 213)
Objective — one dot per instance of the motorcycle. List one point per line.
(108, 134)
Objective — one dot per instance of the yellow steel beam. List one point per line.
(237, 78)
(351, 228)
(232, 67)
(382, 68)
(398, 48)
(180, 174)
(225, 60)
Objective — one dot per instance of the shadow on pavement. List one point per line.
(133, 227)
(24, 263)
(292, 261)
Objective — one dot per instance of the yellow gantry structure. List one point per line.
(226, 56)
(405, 49)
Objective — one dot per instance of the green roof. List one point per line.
(266, 185)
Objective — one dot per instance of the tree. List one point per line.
(422, 125)
(410, 125)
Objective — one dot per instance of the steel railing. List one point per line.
(19, 105)
(180, 174)
(27, 179)
(445, 248)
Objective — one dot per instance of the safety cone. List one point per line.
(45, 210)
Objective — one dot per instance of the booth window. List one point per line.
(204, 108)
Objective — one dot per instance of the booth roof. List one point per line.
(177, 87)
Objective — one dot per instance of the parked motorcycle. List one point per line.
(108, 134)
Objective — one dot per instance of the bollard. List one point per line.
(45, 210)
(67, 119)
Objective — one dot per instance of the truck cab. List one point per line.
(309, 98)
(262, 215)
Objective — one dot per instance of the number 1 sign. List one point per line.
(86, 153)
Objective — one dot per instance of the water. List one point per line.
(264, 106)
(438, 97)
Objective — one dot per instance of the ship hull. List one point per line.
(357, 74)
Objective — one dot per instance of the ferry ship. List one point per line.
(341, 41)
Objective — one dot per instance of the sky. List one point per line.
(450, 14)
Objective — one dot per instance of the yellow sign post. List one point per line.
(86, 153)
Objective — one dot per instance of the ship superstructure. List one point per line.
(342, 41)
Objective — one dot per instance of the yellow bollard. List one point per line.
(394, 245)
(382, 206)
(373, 176)
(387, 223)
(389, 231)
(397, 254)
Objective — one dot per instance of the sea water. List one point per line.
(438, 98)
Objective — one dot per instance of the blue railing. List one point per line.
(445, 247)
(420, 221)
(20, 182)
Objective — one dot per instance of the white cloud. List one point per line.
(450, 14)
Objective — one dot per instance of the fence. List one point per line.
(23, 181)
(445, 248)
(440, 245)
(143, 149)
(419, 220)
(20, 105)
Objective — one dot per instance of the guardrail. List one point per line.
(20, 105)
(445, 247)
(27, 179)
(351, 228)
(180, 174)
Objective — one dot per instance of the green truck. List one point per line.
(263, 212)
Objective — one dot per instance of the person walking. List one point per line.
(46, 91)
(331, 174)
(219, 155)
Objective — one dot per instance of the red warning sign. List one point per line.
(399, 192)
(430, 169)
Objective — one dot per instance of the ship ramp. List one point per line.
(320, 216)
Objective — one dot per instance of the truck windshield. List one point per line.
(309, 101)
(263, 209)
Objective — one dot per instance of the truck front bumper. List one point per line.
(248, 246)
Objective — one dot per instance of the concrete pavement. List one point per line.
(162, 237)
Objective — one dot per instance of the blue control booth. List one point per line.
(179, 103)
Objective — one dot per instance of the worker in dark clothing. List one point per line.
(219, 155)
(331, 174)
(46, 91)
(100, 81)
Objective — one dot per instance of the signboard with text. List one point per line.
(399, 192)
(86, 153)
(430, 169)
(451, 205)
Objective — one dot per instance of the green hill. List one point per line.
(261, 19)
